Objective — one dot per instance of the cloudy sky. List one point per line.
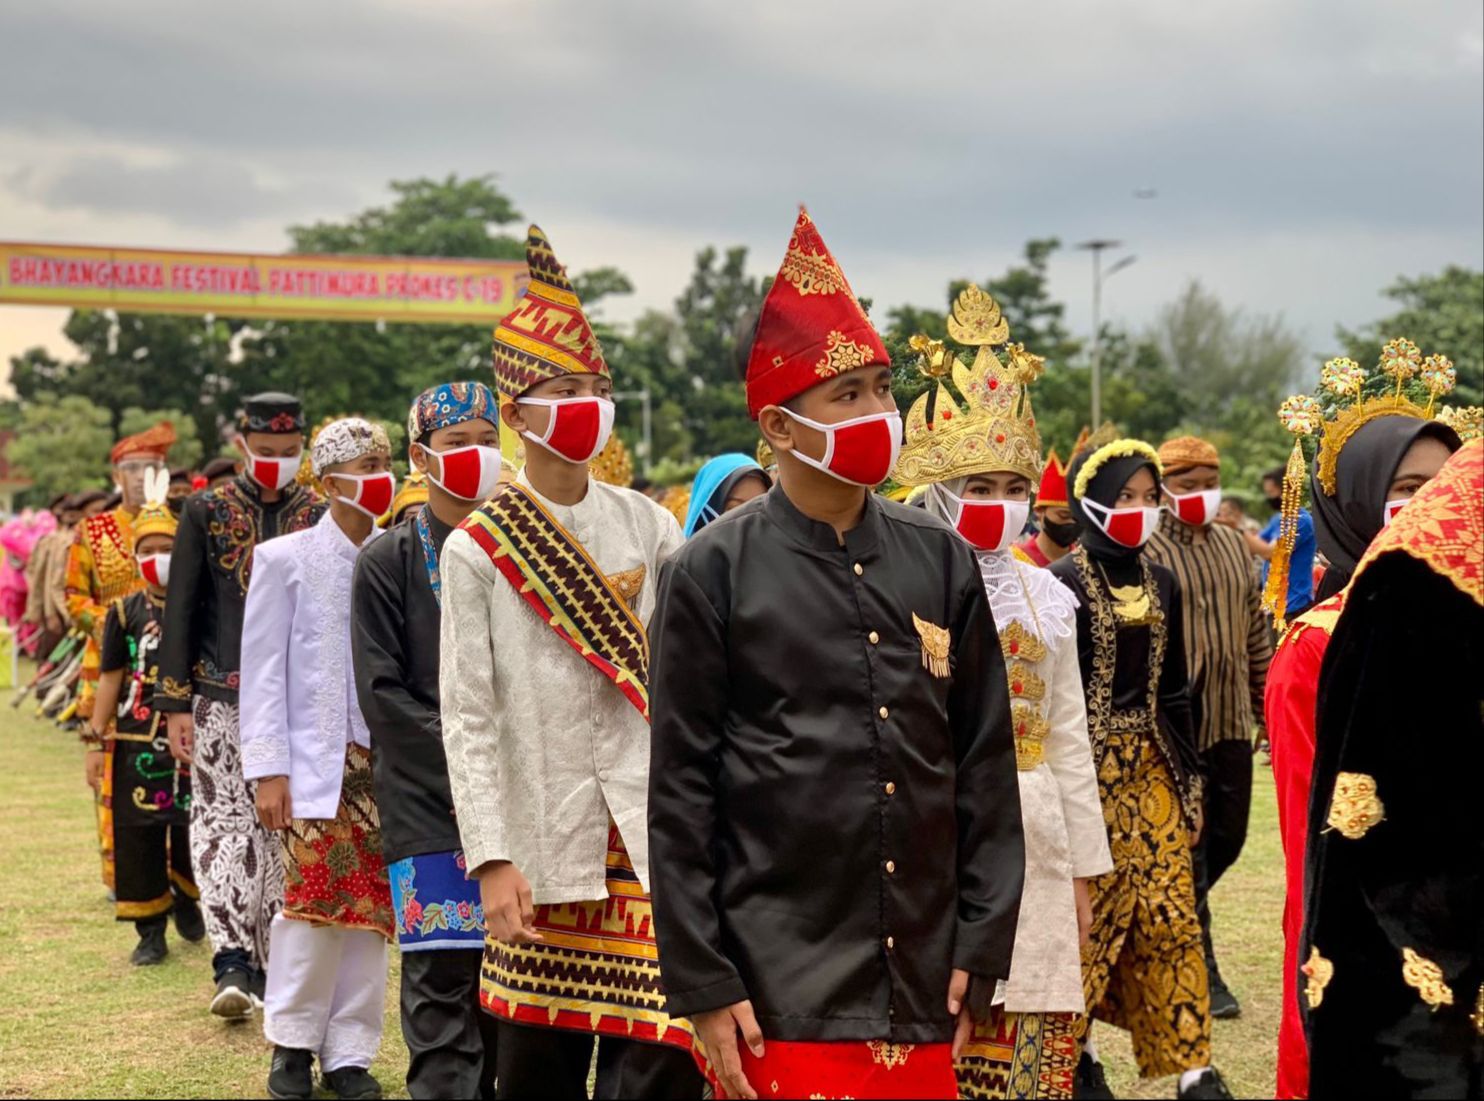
(1303, 153)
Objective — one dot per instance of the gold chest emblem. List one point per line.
(628, 584)
(1426, 978)
(936, 643)
(1130, 603)
(1355, 807)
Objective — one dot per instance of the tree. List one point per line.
(1442, 314)
(187, 451)
(62, 444)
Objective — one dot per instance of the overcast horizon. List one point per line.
(1301, 156)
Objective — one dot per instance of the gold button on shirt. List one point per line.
(874, 637)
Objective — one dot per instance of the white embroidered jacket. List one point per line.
(542, 748)
(298, 695)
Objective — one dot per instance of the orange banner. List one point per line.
(237, 284)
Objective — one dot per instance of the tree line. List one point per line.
(1200, 366)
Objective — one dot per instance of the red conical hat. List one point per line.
(1053, 491)
(547, 334)
(811, 328)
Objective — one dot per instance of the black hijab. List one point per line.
(1104, 488)
(1345, 524)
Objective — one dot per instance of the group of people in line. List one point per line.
(808, 790)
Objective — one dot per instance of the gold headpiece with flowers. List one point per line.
(612, 465)
(154, 516)
(1343, 412)
(995, 429)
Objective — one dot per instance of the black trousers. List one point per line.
(554, 1063)
(152, 869)
(1227, 771)
(450, 1039)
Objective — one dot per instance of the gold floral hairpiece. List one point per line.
(1118, 449)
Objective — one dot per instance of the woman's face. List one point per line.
(1140, 491)
(1418, 466)
(746, 489)
(1000, 485)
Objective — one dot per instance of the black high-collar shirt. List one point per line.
(833, 824)
(210, 566)
(394, 642)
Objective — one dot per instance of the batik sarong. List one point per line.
(437, 906)
(334, 873)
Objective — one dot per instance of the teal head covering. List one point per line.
(714, 483)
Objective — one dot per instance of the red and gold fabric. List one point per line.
(854, 1068)
(554, 575)
(812, 328)
(1020, 1056)
(547, 335)
(1289, 708)
(334, 873)
(596, 968)
(1052, 492)
(1029, 551)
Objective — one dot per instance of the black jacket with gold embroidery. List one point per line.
(834, 811)
(210, 565)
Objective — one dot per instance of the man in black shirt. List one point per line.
(394, 638)
(237, 861)
(834, 811)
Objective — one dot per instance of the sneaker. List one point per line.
(189, 923)
(1090, 1084)
(352, 1084)
(151, 947)
(1224, 1004)
(290, 1077)
(1208, 1087)
(233, 1002)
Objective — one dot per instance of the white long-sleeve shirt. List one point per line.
(542, 749)
(298, 693)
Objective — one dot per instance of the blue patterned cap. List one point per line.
(448, 404)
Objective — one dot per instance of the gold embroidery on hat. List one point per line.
(810, 273)
(1318, 971)
(1426, 978)
(936, 642)
(1355, 807)
(842, 354)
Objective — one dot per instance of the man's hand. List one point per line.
(275, 807)
(1084, 911)
(971, 1001)
(92, 766)
(718, 1029)
(509, 913)
(180, 730)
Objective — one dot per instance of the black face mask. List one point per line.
(1063, 535)
(1275, 503)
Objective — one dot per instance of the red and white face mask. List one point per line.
(1196, 509)
(1390, 509)
(1129, 527)
(577, 428)
(155, 569)
(468, 473)
(987, 525)
(271, 473)
(373, 492)
(861, 451)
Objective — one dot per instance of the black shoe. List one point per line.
(352, 1084)
(189, 923)
(1208, 1087)
(291, 1077)
(233, 1001)
(1090, 1084)
(151, 948)
(1224, 1004)
(257, 988)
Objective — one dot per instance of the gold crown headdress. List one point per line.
(1343, 382)
(154, 516)
(613, 465)
(995, 429)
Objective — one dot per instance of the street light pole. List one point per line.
(1097, 247)
(646, 429)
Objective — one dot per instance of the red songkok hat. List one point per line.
(547, 334)
(1053, 490)
(811, 328)
(155, 441)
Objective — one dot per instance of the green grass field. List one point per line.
(77, 1021)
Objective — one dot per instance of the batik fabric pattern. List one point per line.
(450, 403)
(1021, 1056)
(437, 905)
(850, 1068)
(237, 861)
(333, 870)
(596, 968)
